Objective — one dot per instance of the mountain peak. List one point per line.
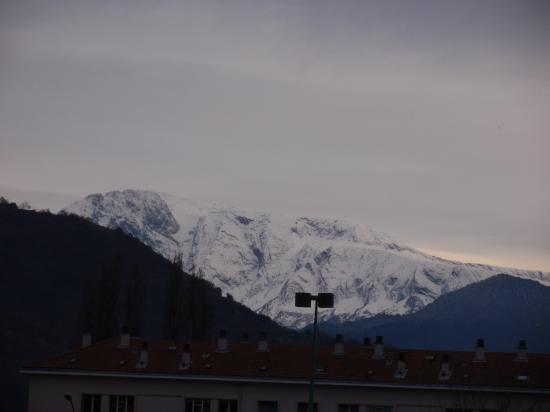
(263, 259)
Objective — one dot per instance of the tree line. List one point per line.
(114, 301)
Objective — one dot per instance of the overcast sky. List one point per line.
(429, 120)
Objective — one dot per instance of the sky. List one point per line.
(428, 120)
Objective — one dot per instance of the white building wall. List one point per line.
(155, 395)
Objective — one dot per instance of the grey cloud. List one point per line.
(428, 120)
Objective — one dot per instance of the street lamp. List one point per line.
(322, 300)
(68, 397)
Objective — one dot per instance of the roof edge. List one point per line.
(305, 381)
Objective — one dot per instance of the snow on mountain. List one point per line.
(263, 259)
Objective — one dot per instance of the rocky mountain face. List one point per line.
(261, 260)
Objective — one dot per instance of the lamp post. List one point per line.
(322, 300)
(68, 397)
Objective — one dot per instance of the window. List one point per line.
(302, 407)
(348, 408)
(267, 406)
(90, 403)
(121, 403)
(197, 405)
(470, 410)
(228, 405)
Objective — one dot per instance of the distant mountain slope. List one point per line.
(44, 260)
(263, 259)
(501, 309)
(38, 200)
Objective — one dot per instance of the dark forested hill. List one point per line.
(45, 261)
(501, 309)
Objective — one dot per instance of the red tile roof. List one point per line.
(286, 361)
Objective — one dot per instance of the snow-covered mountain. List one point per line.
(263, 259)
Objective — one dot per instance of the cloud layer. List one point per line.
(426, 119)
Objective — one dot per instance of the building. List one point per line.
(133, 375)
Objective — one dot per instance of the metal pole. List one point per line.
(68, 397)
(313, 361)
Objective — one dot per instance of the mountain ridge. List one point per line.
(501, 309)
(262, 259)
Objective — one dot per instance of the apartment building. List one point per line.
(130, 374)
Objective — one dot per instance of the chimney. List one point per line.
(379, 348)
(339, 346)
(522, 351)
(401, 370)
(244, 337)
(222, 342)
(124, 340)
(143, 355)
(86, 340)
(185, 357)
(480, 351)
(366, 341)
(445, 371)
(262, 343)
